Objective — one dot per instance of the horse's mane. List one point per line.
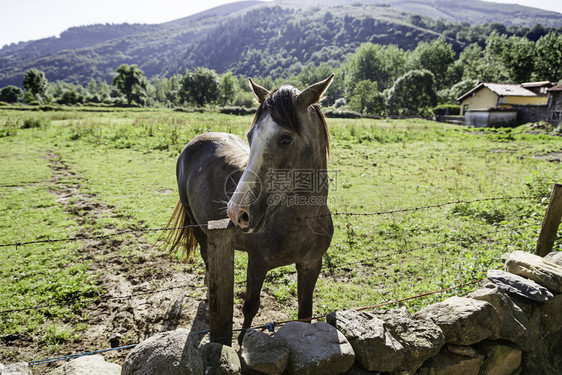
(280, 104)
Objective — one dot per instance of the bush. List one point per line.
(341, 114)
(8, 128)
(412, 93)
(189, 110)
(239, 111)
(244, 99)
(447, 110)
(11, 94)
(32, 123)
(48, 108)
(71, 98)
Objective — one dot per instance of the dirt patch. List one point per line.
(553, 157)
(541, 128)
(144, 291)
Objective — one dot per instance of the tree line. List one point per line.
(375, 79)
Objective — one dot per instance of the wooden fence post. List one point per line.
(220, 256)
(551, 222)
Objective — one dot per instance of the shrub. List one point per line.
(341, 114)
(71, 98)
(9, 128)
(32, 123)
(447, 110)
(244, 99)
(239, 111)
(11, 94)
(48, 108)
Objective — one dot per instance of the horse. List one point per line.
(275, 187)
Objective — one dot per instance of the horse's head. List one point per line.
(288, 134)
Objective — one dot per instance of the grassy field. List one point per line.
(126, 160)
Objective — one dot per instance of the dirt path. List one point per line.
(145, 292)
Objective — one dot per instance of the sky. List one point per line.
(22, 20)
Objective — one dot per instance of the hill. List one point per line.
(257, 38)
(474, 11)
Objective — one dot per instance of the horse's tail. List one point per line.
(180, 233)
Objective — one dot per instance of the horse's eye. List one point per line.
(285, 139)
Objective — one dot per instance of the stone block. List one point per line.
(464, 321)
(316, 348)
(375, 348)
(535, 268)
(171, 353)
(519, 285)
(263, 353)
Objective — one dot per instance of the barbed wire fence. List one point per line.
(269, 326)
(326, 269)
(16, 243)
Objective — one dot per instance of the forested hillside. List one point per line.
(280, 41)
(262, 39)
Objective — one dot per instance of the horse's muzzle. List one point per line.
(239, 215)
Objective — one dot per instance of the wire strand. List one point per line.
(376, 213)
(269, 326)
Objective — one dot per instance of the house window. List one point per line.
(464, 108)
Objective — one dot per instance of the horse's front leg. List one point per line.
(307, 276)
(254, 282)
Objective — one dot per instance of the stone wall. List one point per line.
(531, 113)
(512, 324)
(555, 107)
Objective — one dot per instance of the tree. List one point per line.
(508, 59)
(436, 57)
(412, 93)
(518, 58)
(200, 86)
(367, 98)
(11, 94)
(376, 63)
(67, 93)
(165, 90)
(228, 86)
(472, 64)
(548, 58)
(131, 82)
(35, 82)
(71, 97)
(417, 21)
(92, 87)
(450, 95)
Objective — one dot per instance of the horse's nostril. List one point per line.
(245, 217)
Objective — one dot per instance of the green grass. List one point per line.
(35, 274)
(127, 159)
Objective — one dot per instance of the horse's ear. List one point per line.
(260, 92)
(314, 92)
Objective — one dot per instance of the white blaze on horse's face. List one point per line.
(251, 186)
(277, 145)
